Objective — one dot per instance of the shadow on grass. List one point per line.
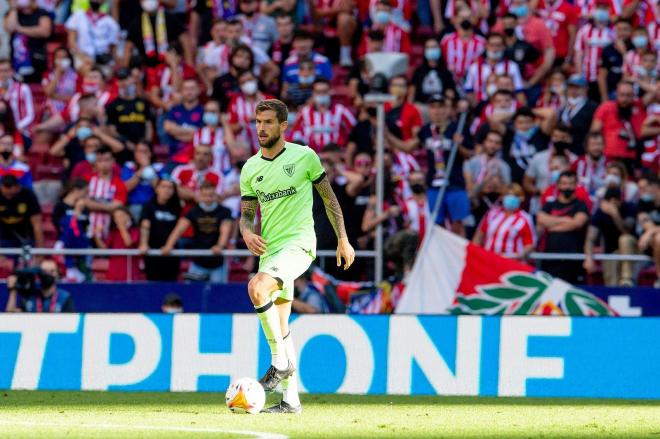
(18, 399)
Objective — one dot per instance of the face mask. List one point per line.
(130, 91)
(149, 5)
(601, 15)
(520, 11)
(510, 202)
(568, 193)
(83, 132)
(90, 87)
(640, 41)
(502, 111)
(208, 207)
(210, 118)
(612, 180)
(90, 157)
(466, 25)
(382, 17)
(46, 280)
(417, 188)
(5, 84)
(6, 155)
(554, 176)
(250, 87)
(576, 101)
(148, 173)
(432, 54)
(495, 55)
(509, 31)
(64, 63)
(95, 6)
(491, 89)
(322, 100)
(527, 134)
(557, 89)
(306, 80)
(647, 198)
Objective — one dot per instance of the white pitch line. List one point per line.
(256, 434)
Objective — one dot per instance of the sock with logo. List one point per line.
(270, 323)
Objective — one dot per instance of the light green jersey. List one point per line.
(283, 188)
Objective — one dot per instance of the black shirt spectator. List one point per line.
(429, 80)
(128, 113)
(612, 63)
(20, 215)
(437, 143)
(36, 46)
(206, 227)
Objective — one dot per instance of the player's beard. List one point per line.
(271, 141)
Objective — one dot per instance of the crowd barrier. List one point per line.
(491, 356)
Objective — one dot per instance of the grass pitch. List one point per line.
(204, 415)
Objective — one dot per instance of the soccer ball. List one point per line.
(245, 395)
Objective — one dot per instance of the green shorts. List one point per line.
(286, 266)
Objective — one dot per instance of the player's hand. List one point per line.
(345, 251)
(255, 243)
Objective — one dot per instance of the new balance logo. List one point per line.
(260, 178)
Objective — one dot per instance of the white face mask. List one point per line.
(149, 5)
(250, 87)
(64, 63)
(491, 89)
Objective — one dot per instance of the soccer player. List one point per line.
(279, 178)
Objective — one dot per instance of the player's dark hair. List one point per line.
(275, 105)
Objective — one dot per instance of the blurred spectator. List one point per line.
(518, 49)
(537, 175)
(259, 28)
(20, 215)
(29, 28)
(529, 137)
(610, 71)
(235, 35)
(159, 217)
(476, 11)
(432, 76)
(578, 112)
(19, 97)
(591, 167)
(71, 221)
(564, 224)
(8, 126)
(140, 177)
(308, 300)
(362, 137)
(589, 43)
(123, 235)
(645, 73)
(562, 19)
(183, 120)
(486, 165)
(93, 36)
(616, 176)
(128, 115)
(558, 165)
(321, 121)
(397, 32)
(212, 226)
(242, 111)
(215, 53)
(632, 60)
(10, 166)
(494, 63)
(648, 220)
(507, 229)
(61, 83)
(337, 18)
(106, 193)
(463, 47)
(416, 208)
(226, 86)
(303, 45)
(283, 45)
(51, 299)
(190, 177)
(297, 94)
(172, 304)
(554, 92)
(641, 12)
(217, 133)
(402, 119)
(620, 121)
(613, 223)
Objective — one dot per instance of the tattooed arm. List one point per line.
(255, 243)
(336, 217)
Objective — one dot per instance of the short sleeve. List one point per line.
(315, 171)
(247, 192)
(33, 205)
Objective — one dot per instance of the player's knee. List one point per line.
(258, 290)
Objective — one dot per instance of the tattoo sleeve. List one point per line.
(248, 212)
(332, 207)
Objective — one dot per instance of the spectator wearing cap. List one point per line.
(578, 111)
(303, 45)
(610, 71)
(432, 76)
(9, 165)
(463, 46)
(564, 224)
(620, 120)
(613, 224)
(92, 36)
(20, 215)
(129, 114)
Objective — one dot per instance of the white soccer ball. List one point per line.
(245, 395)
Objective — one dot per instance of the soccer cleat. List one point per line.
(283, 407)
(273, 377)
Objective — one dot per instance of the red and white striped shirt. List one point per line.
(20, 100)
(189, 177)
(241, 112)
(654, 36)
(590, 174)
(631, 61)
(645, 13)
(316, 129)
(403, 164)
(72, 111)
(506, 232)
(104, 190)
(460, 53)
(651, 153)
(589, 44)
(418, 214)
(216, 138)
(450, 10)
(480, 71)
(587, 7)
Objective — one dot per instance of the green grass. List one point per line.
(48, 415)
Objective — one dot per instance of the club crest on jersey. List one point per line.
(289, 169)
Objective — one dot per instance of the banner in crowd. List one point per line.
(452, 275)
(448, 355)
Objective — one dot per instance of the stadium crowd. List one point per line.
(143, 113)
